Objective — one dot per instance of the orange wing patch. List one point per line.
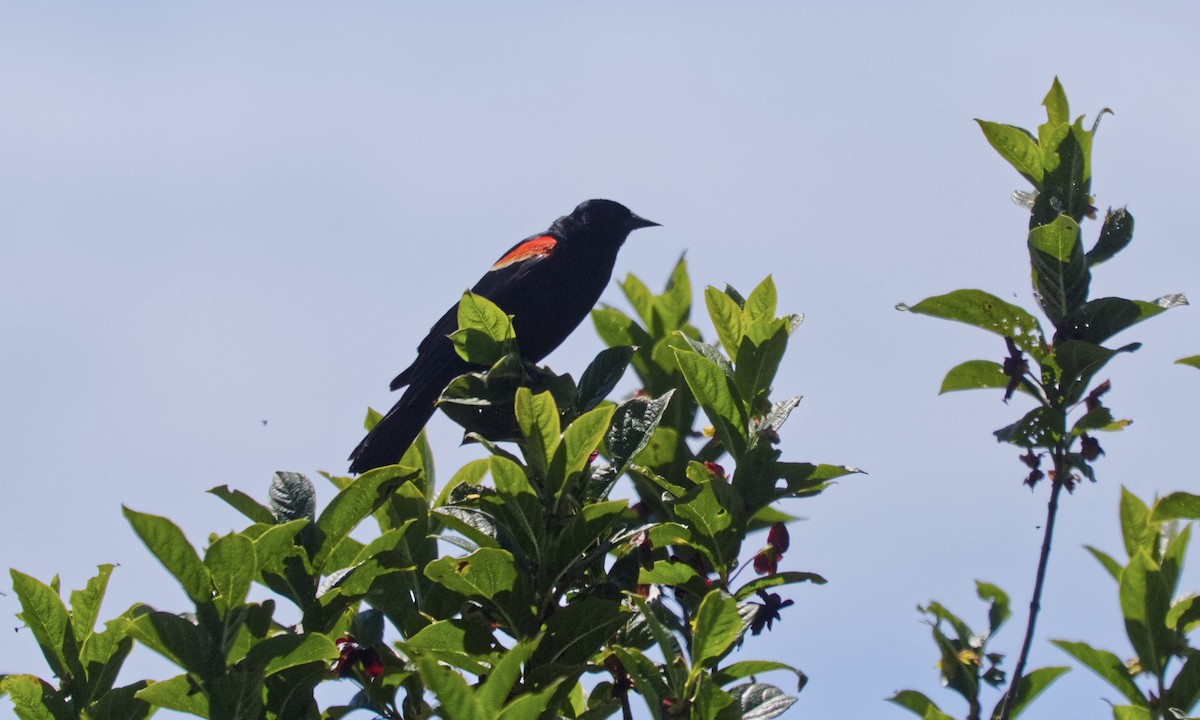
(539, 246)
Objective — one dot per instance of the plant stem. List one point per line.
(1060, 478)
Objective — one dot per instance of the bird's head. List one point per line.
(600, 220)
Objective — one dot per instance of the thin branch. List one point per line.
(1060, 479)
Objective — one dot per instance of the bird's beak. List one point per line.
(636, 222)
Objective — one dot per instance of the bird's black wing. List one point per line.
(497, 285)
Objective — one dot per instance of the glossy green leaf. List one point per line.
(602, 375)
(998, 605)
(988, 312)
(1193, 361)
(1115, 234)
(919, 704)
(675, 304)
(1032, 684)
(1137, 529)
(458, 702)
(726, 318)
(168, 543)
(1110, 564)
(716, 626)
(719, 399)
(780, 578)
(178, 693)
(616, 328)
(244, 504)
(640, 297)
(749, 668)
(760, 305)
(485, 332)
(1102, 318)
(1145, 600)
(354, 504)
(34, 698)
(280, 652)
(482, 574)
(632, 427)
(975, 375)
(43, 612)
(173, 637)
(1060, 273)
(85, 604)
(1176, 506)
(537, 416)
(1016, 146)
(231, 564)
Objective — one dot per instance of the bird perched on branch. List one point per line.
(548, 283)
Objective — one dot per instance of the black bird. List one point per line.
(548, 283)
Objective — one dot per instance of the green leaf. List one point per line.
(602, 375)
(47, 618)
(464, 644)
(1032, 684)
(718, 397)
(632, 426)
(537, 416)
(749, 668)
(231, 565)
(918, 704)
(1137, 529)
(583, 436)
(1060, 272)
(789, 577)
(1111, 565)
(616, 328)
(1115, 234)
(85, 604)
(457, 700)
(1126, 712)
(675, 304)
(1102, 318)
(758, 361)
(1016, 146)
(1185, 688)
(1193, 360)
(999, 611)
(640, 298)
(715, 628)
(485, 332)
(288, 650)
(168, 543)
(988, 312)
(530, 705)
(761, 303)
(178, 693)
(1145, 600)
(1080, 361)
(366, 494)
(1037, 428)
(34, 698)
(173, 637)
(483, 574)
(1176, 506)
(975, 375)
(244, 504)
(579, 630)
(726, 317)
(1055, 102)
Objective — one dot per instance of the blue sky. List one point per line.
(218, 214)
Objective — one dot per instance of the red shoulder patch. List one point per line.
(538, 246)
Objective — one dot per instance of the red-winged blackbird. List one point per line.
(548, 283)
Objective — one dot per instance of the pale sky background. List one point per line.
(218, 214)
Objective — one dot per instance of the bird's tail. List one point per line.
(391, 436)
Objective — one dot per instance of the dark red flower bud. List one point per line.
(716, 469)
